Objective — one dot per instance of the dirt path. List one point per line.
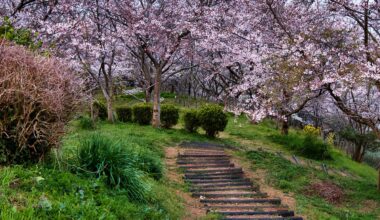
(224, 185)
(194, 209)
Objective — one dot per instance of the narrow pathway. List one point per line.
(223, 188)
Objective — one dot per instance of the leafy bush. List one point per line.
(191, 120)
(167, 95)
(169, 115)
(142, 113)
(124, 114)
(150, 163)
(307, 145)
(102, 156)
(212, 119)
(38, 97)
(315, 148)
(86, 123)
(21, 36)
(100, 110)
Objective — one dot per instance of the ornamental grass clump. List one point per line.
(101, 156)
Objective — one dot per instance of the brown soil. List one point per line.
(328, 191)
(194, 209)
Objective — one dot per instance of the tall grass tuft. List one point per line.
(86, 123)
(104, 157)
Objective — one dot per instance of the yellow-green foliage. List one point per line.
(311, 130)
(330, 139)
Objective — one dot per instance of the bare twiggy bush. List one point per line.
(38, 96)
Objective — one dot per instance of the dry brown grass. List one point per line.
(38, 96)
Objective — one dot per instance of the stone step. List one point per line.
(244, 217)
(203, 156)
(246, 207)
(211, 177)
(281, 213)
(184, 162)
(189, 166)
(212, 185)
(234, 195)
(213, 174)
(204, 152)
(217, 180)
(213, 171)
(222, 189)
(239, 200)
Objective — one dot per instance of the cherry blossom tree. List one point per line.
(159, 29)
(80, 33)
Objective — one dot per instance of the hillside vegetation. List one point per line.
(59, 188)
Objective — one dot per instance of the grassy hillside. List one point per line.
(357, 182)
(55, 190)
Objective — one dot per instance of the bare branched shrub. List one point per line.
(38, 96)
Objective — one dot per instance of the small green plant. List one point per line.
(100, 110)
(191, 120)
(142, 113)
(150, 163)
(102, 156)
(86, 123)
(169, 115)
(167, 95)
(315, 148)
(124, 114)
(212, 119)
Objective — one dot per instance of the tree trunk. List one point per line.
(110, 110)
(156, 122)
(284, 127)
(148, 94)
(358, 154)
(378, 181)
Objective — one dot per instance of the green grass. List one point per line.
(56, 190)
(42, 193)
(359, 189)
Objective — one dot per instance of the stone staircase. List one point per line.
(224, 189)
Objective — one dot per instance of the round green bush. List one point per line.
(314, 148)
(212, 119)
(86, 123)
(100, 155)
(142, 113)
(169, 115)
(191, 120)
(100, 110)
(124, 114)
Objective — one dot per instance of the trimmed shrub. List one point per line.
(314, 148)
(169, 115)
(86, 123)
(124, 114)
(191, 120)
(307, 145)
(212, 119)
(101, 156)
(167, 95)
(38, 97)
(100, 110)
(142, 113)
